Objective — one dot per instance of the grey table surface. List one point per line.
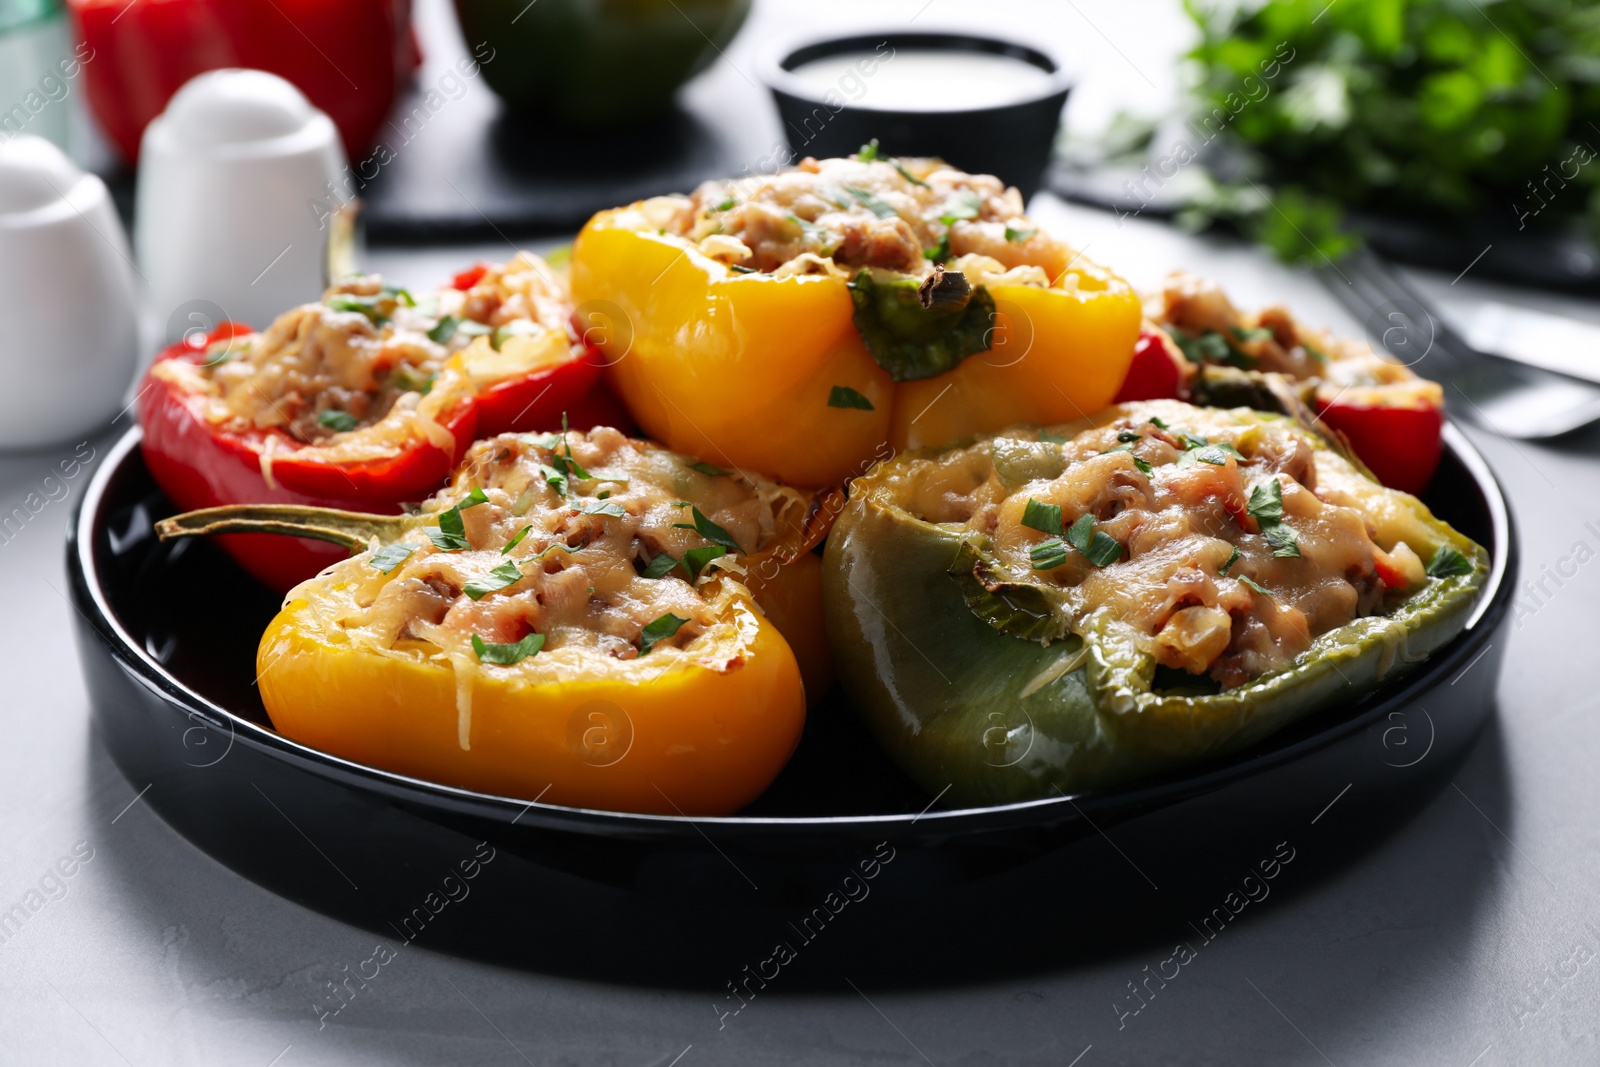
(1467, 936)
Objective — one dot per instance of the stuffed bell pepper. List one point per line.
(1197, 345)
(1088, 605)
(575, 618)
(363, 401)
(801, 324)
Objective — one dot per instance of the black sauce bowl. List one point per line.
(1011, 141)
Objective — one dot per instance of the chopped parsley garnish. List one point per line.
(1253, 584)
(503, 576)
(659, 630)
(398, 293)
(1046, 518)
(451, 325)
(1128, 437)
(451, 534)
(336, 420)
(868, 152)
(406, 379)
(726, 204)
(1282, 539)
(506, 655)
(842, 396)
(604, 507)
(515, 541)
(567, 464)
(1156, 422)
(871, 201)
(1257, 334)
(1019, 236)
(1144, 468)
(387, 558)
(939, 252)
(742, 269)
(361, 305)
(708, 469)
(1200, 450)
(1315, 354)
(1099, 547)
(1223, 570)
(1210, 347)
(473, 499)
(1048, 554)
(709, 530)
(964, 205)
(1266, 504)
(554, 479)
(1448, 563)
(514, 328)
(659, 566)
(807, 227)
(695, 560)
(907, 175)
(444, 330)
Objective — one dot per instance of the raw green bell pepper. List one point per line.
(981, 682)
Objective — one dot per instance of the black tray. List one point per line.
(167, 636)
(1561, 257)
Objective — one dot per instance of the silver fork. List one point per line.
(1510, 399)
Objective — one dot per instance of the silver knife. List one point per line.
(1533, 338)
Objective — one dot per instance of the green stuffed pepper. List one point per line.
(1090, 604)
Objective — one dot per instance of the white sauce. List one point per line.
(929, 80)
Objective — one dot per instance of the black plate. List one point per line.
(167, 635)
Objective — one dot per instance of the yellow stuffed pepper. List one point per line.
(575, 618)
(805, 323)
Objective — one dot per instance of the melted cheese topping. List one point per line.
(1178, 525)
(839, 215)
(582, 583)
(358, 375)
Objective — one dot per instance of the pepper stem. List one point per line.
(353, 529)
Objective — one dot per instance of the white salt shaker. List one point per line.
(68, 300)
(231, 219)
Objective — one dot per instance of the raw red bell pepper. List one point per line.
(350, 57)
(198, 464)
(1400, 444)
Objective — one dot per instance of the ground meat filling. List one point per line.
(900, 215)
(1195, 570)
(1209, 328)
(568, 542)
(369, 349)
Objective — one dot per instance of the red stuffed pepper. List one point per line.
(365, 401)
(1392, 418)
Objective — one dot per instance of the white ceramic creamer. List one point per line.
(69, 320)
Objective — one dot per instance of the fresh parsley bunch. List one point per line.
(1441, 108)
